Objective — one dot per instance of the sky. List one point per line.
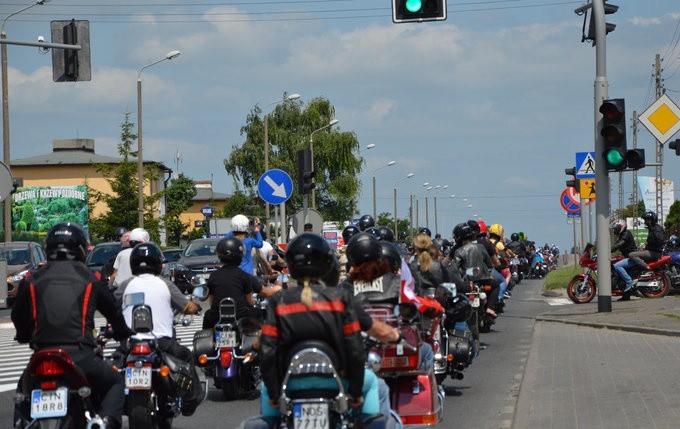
(491, 104)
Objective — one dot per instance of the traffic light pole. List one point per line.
(604, 298)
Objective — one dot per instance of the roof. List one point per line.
(73, 157)
(203, 194)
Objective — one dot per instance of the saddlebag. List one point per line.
(460, 346)
(204, 343)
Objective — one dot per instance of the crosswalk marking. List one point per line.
(559, 301)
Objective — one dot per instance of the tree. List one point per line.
(672, 221)
(240, 203)
(336, 160)
(631, 210)
(386, 219)
(178, 196)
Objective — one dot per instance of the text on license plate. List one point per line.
(49, 403)
(225, 339)
(310, 416)
(138, 378)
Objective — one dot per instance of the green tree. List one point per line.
(337, 163)
(178, 196)
(672, 222)
(631, 210)
(239, 202)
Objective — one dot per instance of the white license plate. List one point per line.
(138, 378)
(310, 416)
(49, 403)
(225, 339)
(475, 302)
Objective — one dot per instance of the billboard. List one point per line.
(39, 208)
(647, 186)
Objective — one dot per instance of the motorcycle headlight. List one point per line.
(17, 277)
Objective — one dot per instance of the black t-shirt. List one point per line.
(232, 282)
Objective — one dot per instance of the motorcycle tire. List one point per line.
(658, 292)
(139, 414)
(578, 295)
(231, 388)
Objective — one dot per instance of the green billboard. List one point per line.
(39, 208)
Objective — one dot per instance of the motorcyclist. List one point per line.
(624, 238)
(652, 251)
(427, 272)
(312, 311)
(481, 237)
(239, 229)
(121, 267)
(517, 246)
(146, 262)
(504, 254)
(365, 222)
(51, 311)
(386, 233)
(341, 253)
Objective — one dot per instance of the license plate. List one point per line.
(310, 416)
(49, 403)
(475, 302)
(138, 378)
(204, 275)
(225, 339)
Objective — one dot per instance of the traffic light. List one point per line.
(70, 65)
(675, 145)
(614, 133)
(573, 182)
(418, 10)
(305, 172)
(608, 10)
(635, 159)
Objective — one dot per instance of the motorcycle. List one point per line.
(226, 351)
(515, 270)
(651, 284)
(673, 271)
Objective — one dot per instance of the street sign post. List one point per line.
(275, 187)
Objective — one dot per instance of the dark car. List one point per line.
(198, 258)
(102, 256)
(21, 257)
(170, 258)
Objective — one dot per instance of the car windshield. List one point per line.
(101, 255)
(15, 256)
(201, 248)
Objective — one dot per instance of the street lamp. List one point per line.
(140, 160)
(427, 207)
(311, 152)
(436, 229)
(389, 164)
(5, 115)
(408, 176)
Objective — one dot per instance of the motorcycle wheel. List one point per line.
(139, 416)
(580, 293)
(231, 388)
(657, 292)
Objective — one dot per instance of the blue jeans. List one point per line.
(426, 357)
(621, 267)
(502, 284)
(369, 390)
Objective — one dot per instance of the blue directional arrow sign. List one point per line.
(275, 186)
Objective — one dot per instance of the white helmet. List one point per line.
(618, 226)
(239, 223)
(139, 235)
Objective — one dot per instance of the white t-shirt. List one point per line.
(122, 265)
(156, 296)
(265, 249)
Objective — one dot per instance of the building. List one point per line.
(204, 196)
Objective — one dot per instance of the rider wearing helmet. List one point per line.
(651, 252)
(341, 252)
(365, 222)
(146, 263)
(313, 311)
(118, 234)
(121, 267)
(49, 312)
(625, 241)
(386, 234)
(239, 229)
(425, 230)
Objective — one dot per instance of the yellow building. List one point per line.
(204, 195)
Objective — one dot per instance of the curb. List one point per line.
(627, 328)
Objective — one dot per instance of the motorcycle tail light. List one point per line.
(141, 349)
(49, 367)
(428, 419)
(164, 371)
(225, 358)
(48, 385)
(202, 359)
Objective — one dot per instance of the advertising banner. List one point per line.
(39, 208)
(647, 186)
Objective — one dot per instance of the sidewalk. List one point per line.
(616, 376)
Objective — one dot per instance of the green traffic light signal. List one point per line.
(418, 10)
(614, 158)
(414, 5)
(613, 134)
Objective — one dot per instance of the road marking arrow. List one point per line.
(279, 189)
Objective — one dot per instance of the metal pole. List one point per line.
(311, 160)
(590, 221)
(7, 215)
(140, 162)
(396, 233)
(284, 223)
(575, 252)
(427, 214)
(417, 214)
(410, 216)
(375, 216)
(266, 164)
(436, 230)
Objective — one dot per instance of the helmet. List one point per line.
(309, 255)
(66, 240)
(332, 278)
(459, 308)
(362, 248)
(496, 229)
(618, 226)
(138, 235)
(375, 232)
(403, 235)
(426, 231)
(119, 232)
(239, 223)
(349, 232)
(474, 226)
(366, 221)
(514, 237)
(230, 250)
(391, 254)
(386, 233)
(650, 218)
(146, 258)
(462, 231)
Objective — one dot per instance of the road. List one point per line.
(485, 398)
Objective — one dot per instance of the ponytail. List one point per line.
(306, 295)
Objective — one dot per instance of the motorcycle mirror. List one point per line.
(200, 291)
(198, 281)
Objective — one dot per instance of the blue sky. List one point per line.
(494, 102)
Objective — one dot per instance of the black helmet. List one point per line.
(459, 308)
(514, 237)
(476, 229)
(363, 247)
(309, 255)
(66, 240)
(386, 233)
(366, 221)
(462, 231)
(146, 258)
(349, 232)
(230, 250)
(119, 232)
(650, 218)
(375, 232)
(403, 236)
(332, 278)
(391, 254)
(425, 231)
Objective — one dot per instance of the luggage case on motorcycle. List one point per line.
(204, 343)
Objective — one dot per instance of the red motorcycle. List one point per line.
(651, 284)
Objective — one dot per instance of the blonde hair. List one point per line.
(422, 243)
(306, 295)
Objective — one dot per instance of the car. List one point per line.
(22, 257)
(198, 259)
(170, 258)
(102, 256)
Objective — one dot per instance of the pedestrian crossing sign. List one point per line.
(585, 165)
(587, 188)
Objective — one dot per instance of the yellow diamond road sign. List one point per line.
(662, 119)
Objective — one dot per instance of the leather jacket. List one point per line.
(517, 248)
(432, 278)
(472, 255)
(625, 243)
(331, 319)
(383, 290)
(655, 239)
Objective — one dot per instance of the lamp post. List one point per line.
(436, 229)
(265, 145)
(7, 216)
(389, 164)
(408, 176)
(427, 205)
(140, 160)
(311, 152)
(425, 185)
